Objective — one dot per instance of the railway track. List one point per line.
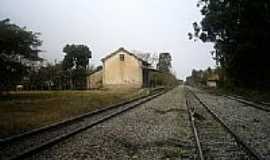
(258, 105)
(214, 138)
(23, 145)
(195, 131)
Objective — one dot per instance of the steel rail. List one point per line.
(39, 147)
(66, 121)
(194, 129)
(257, 105)
(255, 101)
(250, 150)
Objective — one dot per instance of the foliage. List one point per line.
(162, 79)
(76, 56)
(200, 77)
(46, 78)
(53, 77)
(152, 59)
(18, 48)
(164, 62)
(75, 65)
(240, 32)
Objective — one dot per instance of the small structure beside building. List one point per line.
(121, 68)
(180, 82)
(212, 81)
(19, 87)
(94, 79)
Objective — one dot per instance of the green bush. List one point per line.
(162, 79)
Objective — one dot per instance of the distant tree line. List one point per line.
(199, 78)
(21, 65)
(67, 74)
(53, 77)
(166, 79)
(240, 31)
(20, 62)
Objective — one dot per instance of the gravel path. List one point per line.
(249, 123)
(159, 129)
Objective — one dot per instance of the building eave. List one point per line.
(126, 51)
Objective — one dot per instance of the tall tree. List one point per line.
(240, 31)
(18, 47)
(76, 56)
(164, 62)
(75, 64)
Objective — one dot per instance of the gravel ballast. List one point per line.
(159, 129)
(249, 123)
(17, 147)
(215, 140)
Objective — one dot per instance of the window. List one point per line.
(122, 57)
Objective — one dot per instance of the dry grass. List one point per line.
(21, 111)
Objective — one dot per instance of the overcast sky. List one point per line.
(105, 25)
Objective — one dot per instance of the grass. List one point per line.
(22, 111)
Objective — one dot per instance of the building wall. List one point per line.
(94, 81)
(212, 84)
(122, 73)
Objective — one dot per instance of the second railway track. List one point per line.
(20, 146)
(258, 105)
(215, 140)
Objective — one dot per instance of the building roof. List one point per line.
(99, 68)
(126, 51)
